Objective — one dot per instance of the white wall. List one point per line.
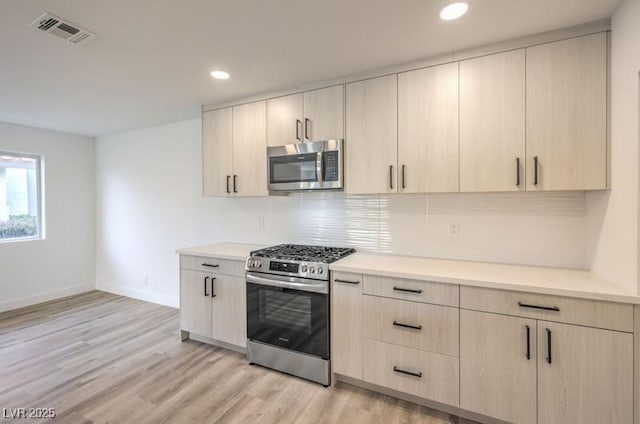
(63, 263)
(613, 216)
(149, 204)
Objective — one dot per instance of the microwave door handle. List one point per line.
(319, 170)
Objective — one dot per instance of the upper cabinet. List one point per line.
(428, 130)
(217, 152)
(492, 123)
(372, 136)
(567, 114)
(311, 116)
(234, 151)
(250, 150)
(528, 119)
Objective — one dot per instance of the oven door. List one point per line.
(288, 317)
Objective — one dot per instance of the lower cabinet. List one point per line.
(526, 371)
(213, 305)
(346, 324)
(417, 372)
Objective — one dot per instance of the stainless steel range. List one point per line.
(288, 309)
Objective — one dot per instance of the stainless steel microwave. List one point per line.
(305, 166)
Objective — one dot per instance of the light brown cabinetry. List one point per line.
(234, 151)
(213, 299)
(567, 114)
(310, 116)
(428, 130)
(217, 152)
(346, 324)
(516, 368)
(372, 136)
(492, 123)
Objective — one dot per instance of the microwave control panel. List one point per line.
(330, 165)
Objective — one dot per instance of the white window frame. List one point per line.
(40, 222)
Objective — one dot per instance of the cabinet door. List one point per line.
(346, 324)
(229, 310)
(588, 376)
(250, 149)
(567, 114)
(497, 377)
(195, 302)
(372, 136)
(284, 120)
(428, 130)
(492, 122)
(217, 153)
(324, 114)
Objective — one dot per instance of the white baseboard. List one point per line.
(161, 299)
(44, 297)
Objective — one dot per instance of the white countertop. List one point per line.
(556, 281)
(231, 251)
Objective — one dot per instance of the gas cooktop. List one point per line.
(304, 253)
(296, 260)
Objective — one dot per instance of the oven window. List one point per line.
(285, 310)
(293, 168)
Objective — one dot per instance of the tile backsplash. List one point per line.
(523, 228)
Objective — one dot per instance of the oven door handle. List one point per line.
(292, 283)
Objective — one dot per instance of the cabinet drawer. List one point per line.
(436, 376)
(213, 265)
(416, 290)
(592, 313)
(411, 324)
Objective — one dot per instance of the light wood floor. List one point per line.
(102, 358)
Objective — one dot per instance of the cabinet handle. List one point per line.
(403, 181)
(528, 330)
(517, 171)
(210, 265)
(413, 327)
(235, 183)
(535, 170)
(400, 289)
(205, 286)
(337, 280)
(548, 346)
(228, 178)
(390, 176)
(213, 287)
(401, 371)
(307, 128)
(298, 125)
(546, 308)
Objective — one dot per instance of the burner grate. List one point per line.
(304, 253)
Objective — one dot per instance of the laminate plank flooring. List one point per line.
(102, 358)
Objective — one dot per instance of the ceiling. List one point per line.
(152, 61)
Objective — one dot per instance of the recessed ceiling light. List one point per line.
(220, 74)
(453, 11)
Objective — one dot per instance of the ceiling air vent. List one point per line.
(64, 29)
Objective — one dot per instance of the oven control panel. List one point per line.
(284, 267)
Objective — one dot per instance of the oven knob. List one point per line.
(257, 264)
(320, 271)
(312, 270)
(303, 268)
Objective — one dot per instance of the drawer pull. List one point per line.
(337, 280)
(546, 308)
(401, 371)
(548, 346)
(413, 327)
(400, 289)
(528, 342)
(210, 265)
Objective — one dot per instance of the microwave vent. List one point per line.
(64, 29)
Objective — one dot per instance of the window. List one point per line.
(20, 196)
